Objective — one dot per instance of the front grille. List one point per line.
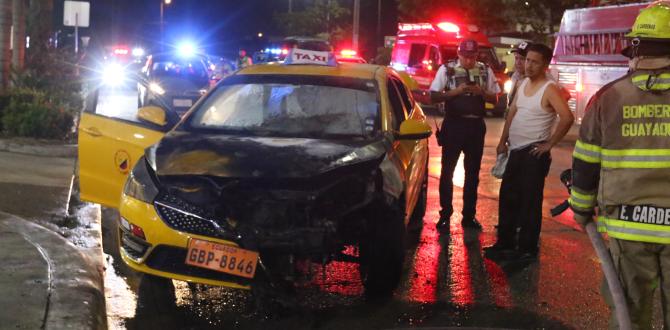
(185, 217)
(173, 260)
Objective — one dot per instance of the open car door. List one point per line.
(111, 140)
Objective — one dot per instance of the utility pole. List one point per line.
(5, 40)
(379, 22)
(290, 6)
(19, 34)
(163, 3)
(357, 16)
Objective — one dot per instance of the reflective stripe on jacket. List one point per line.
(622, 158)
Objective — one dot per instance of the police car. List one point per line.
(279, 165)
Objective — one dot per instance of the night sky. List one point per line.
(220, 26)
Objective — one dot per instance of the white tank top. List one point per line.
(531, 123)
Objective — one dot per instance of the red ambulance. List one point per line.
(421, 48)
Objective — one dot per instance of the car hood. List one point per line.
(182, 153)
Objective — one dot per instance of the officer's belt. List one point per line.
(644, 214)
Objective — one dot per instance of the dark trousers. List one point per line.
(521, 195)
(461, 135)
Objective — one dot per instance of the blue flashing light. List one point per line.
(186, 49)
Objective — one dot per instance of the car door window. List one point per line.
(405, 97)
(397, 108)
(416, 55)
(114, 92)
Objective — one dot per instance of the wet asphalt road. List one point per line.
(446, 283)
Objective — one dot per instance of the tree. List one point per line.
(540, 17)
(486, 14)
(5, 37)
(323, 17)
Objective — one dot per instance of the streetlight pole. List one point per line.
(379, 22)
(163, 3)
(357, 16)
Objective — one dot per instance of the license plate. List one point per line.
(222, 258)
(182, 102)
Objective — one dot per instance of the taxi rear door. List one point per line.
(111, 140)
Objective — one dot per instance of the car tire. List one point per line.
(156, 295)
(382, 253)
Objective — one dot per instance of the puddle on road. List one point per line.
(121, 299)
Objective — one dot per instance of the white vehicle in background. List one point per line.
(587, 54)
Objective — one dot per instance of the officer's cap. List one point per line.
(521, 48)
(468, 47)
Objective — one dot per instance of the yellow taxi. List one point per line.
(277, 166)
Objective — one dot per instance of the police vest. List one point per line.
(466, 104)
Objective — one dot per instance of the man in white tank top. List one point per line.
(529, 138)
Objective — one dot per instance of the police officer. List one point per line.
(621, 163)
(464, 85)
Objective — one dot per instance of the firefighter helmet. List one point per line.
(653, 22)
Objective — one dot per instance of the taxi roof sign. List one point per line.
(304, 56)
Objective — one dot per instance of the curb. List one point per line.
(35, 148)
(77, 299)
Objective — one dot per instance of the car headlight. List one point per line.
(141, 184)
(156, 88)
(508, 86)
(113, 74)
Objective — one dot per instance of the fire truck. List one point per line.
(587, 54)
(421, 48)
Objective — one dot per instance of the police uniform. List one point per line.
(463, 130)
(621, 164)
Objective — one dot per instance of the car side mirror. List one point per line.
(412, 129)
(152, 114)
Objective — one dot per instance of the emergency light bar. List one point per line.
(415, 26)
(448, 27)
(121, 51)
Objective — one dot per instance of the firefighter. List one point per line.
(464, 86)
(621, 163)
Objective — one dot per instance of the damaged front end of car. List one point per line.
(294, 216)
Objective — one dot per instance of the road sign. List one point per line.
(76, 13)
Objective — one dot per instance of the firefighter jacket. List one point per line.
(621, 161)
(467, 104)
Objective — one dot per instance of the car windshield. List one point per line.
(179, 68)
(290, 106)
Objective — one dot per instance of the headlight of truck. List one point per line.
(141, 184)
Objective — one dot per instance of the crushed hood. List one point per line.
(183, 153)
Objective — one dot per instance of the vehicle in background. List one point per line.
(349, 56)
(420, 49)
(173, 81)
(587, 54)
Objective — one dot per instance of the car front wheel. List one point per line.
(382, 253)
